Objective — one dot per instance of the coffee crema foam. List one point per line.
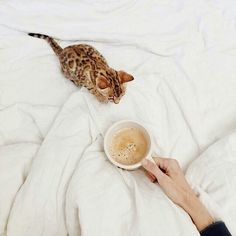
(128, 146)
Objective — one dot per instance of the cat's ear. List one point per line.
(102, 82)
(124, 77)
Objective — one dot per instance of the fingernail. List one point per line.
(144, 162)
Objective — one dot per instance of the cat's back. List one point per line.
(82, 51)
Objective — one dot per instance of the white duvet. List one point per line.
(54, 176)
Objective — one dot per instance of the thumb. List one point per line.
(153, 168)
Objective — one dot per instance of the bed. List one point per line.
(54, 176)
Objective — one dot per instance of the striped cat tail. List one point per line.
(56, 48)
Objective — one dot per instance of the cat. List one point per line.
(85, 66)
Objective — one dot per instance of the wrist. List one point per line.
(197, 211)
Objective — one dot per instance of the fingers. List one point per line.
(151, 177)
(153, 169)
(161, 162)
(168, 165)
(158, 159)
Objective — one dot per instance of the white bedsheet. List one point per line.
(53, 172)
(213, 177)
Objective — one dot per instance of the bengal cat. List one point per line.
(85, 66)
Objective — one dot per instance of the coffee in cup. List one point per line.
(127, 143)
(128, 146)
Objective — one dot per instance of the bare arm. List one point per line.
(171, 179)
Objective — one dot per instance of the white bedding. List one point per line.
(213, 177)
(54, 176)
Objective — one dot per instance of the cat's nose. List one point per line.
(116, 100)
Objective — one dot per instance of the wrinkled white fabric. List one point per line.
(213, 177)
(53, 168)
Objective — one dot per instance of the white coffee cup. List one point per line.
(121, 125)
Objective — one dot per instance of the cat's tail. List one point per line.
(56, 48)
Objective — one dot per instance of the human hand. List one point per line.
(171, 179)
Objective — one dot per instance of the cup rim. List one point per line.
(126, 167)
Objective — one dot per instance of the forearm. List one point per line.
(171, 179)
(197, 211)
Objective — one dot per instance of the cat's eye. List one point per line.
(102, 82)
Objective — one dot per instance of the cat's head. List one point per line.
(111, 85)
